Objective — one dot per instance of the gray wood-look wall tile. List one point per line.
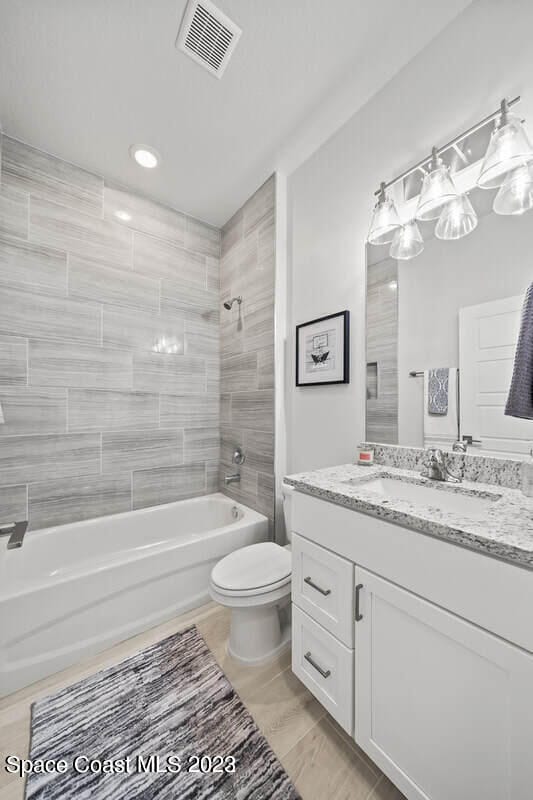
(79, 366)
(253, 410)
(45, 317)
(172, 374)
(259, 450)
(232, 232)
(26, 459)
(67, 229)
(265, 494)
(212, 476)
(190, 302)
(13, 504)
(56, 502)
(161, 259)
(259, 328)
(201, 340)
(43, 175)
(225, 408)
(189, 410)
(142, 331)
(101, 410)
(201, 444)
(239, 373)
(231, 437)
(93, 280)
(246, 490)
(202, 238)
(260, 206)
(13, 212)
(147, 216)
(13, 361)
(127, 451)
(213, 274)
(28, 410)
(24, 265)
(165, 485)
(265, 368)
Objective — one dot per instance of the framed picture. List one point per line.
(323, 350)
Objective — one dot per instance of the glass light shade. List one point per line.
(509, 147)
(384, 223)
(407, 242)
(457, 219)
(516, 194)
(438, 189)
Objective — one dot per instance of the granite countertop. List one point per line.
(503, 529)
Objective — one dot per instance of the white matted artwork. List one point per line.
(322, 350)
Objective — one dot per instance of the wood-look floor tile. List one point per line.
(323, 765)
(285, 711)
(385, 790)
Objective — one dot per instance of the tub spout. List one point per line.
(16, 532)
(234, 478)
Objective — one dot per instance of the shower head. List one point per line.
(229, 303)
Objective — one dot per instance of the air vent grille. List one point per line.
(208, 36)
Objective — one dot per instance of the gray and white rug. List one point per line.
(166, 724)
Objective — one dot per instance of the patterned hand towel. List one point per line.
(438, 383)
(520, 400)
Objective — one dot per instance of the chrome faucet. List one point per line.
(437, 467)
(234, 478)
(16, 532)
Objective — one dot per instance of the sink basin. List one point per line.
(459, 501)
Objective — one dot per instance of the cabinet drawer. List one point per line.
(322, 586)
(325, 666)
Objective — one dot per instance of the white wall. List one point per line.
(493, 262)
(483, 55)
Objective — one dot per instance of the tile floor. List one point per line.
(321, 759)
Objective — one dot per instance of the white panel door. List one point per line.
(443, 707)
(488, 334)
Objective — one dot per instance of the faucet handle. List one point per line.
(238, 456)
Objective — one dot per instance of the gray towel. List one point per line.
(520, 400)
(438, 382)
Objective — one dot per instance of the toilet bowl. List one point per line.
(255, 583)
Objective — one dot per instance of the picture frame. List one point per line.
(323, 350)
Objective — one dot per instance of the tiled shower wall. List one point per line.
(109, 346)
(247, 268)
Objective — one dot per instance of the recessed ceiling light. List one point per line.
(123, 215)
(145, 156)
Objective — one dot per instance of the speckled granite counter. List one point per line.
(503, 530)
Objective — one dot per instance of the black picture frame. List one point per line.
(300, 329)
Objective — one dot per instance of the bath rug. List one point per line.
(165, 723)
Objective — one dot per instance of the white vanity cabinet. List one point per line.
(438, 668)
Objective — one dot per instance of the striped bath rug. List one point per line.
(165, 724)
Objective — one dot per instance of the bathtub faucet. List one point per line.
(234, 478)
(16, 532)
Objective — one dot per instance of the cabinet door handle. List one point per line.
(324, 672)
(309, 582)
(358, 615)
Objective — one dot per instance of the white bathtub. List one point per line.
(74, 590)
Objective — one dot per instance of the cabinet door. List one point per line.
(443, 707)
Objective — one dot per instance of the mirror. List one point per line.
(455, 307)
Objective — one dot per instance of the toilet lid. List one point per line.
(253, 567)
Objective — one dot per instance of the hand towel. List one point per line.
(520, 400)
(438, 384)
(442, 430)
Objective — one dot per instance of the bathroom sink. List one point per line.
(457, 500)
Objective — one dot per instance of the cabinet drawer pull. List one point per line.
(324, 672)
(309, 582)
(358, 615)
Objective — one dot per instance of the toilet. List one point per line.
(255, 583)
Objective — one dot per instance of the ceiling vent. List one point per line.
(208, 36)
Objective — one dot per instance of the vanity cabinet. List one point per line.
(431, 670)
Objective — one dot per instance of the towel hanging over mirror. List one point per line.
(520, 400)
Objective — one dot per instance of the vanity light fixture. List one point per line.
(407, 242)
(438, 189)
(509, 147)
(385, 220)
(457, 219)
(145, 156)
(516, 194)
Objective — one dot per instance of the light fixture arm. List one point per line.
(502, 112)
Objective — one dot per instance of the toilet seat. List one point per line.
(258, 569)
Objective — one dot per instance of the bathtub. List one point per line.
(74, 590)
